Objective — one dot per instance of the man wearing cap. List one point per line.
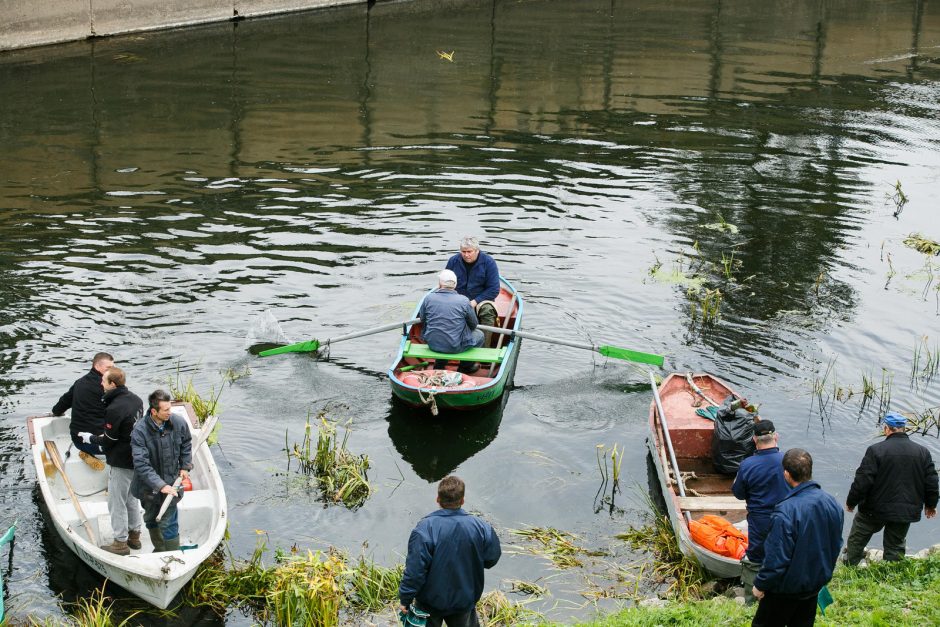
(895, 480)
(760, 482)
(449, 322)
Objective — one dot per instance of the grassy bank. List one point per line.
(895, 594)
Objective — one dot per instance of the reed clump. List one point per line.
(311, 588)
(495, 610)
(204, 406)
(342, 476)
(673, 567)
(95, 611)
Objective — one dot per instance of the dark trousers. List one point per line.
(784, 610)
(864, 527)
(467, 619)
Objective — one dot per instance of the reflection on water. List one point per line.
(436, 445)
(163, 192)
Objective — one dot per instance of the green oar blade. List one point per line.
(628, 355)
(301, 347)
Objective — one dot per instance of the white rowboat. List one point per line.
(154, 577)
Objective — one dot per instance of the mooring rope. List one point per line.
(434, 379)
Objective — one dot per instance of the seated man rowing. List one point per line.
(477, 279)
(449, 322)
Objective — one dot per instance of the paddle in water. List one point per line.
(615, 352)
(312, 345)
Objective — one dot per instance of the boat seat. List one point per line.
(712, 504)
(196, 499)
(488, 355)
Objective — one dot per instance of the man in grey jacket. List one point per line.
(162, 448)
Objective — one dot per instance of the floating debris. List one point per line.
(526, 587)
(722, 225)
(558, 546)
(447, 56)
(495, 610)
(922, 244)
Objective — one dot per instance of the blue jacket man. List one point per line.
(447, 552)
(449, 323)
(801, 550)
(476, 271)
(162, 449)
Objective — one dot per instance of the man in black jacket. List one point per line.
(123, 410)
(895, 480)
(84, 398)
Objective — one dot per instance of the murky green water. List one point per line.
(161, 195)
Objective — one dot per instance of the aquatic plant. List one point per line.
(231, 375)
(95, 611)
(721, 225)
(526, 587)
(495, 610)
(203, 406)
(608, 476)
(922, 244)
(924, 421)
(341, 475)
(898, 197)
(374, 587)
(683, 573)
(558, 546)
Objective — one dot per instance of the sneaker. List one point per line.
(133, 540)
(468, 368)
(91, 460)
(117, 547)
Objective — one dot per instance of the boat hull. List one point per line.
(692, 440)
(154, 577)
(488, 391)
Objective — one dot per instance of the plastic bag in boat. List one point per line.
(732, 441)
(718, 535)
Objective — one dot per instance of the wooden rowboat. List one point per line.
(154, 577)
(706, 492)
(415, 382)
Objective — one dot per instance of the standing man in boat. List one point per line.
(801, 549)
(162, 449)
(84, 399)
(895, 480)
(447, 552)
(760, 482)
(449, 324)
(123, 409)
(477, 279)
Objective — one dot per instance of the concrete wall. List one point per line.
(25, 23)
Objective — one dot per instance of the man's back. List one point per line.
(447, 552)
(448, 321)
(895, 480)
(84, 399)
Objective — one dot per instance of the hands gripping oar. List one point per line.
(615, 352)
(312, 345)
(204, 432)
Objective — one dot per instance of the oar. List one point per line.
(607, 351)
(499, 340)
(204, 432)
(53, 452)
(311, 345)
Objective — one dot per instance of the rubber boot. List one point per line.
(118, 547)
(172, 544)
(133, 540)
(157, 538)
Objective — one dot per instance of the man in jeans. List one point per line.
(447, 552)
(162, 447)
(760, 482)
(123, 409)
(895, 480)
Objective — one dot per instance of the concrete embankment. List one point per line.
(25, 23)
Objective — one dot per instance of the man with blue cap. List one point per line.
(895, 480)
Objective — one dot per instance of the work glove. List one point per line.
(85, 436)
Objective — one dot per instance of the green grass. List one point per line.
(884, 595)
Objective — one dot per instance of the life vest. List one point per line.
(719, 536)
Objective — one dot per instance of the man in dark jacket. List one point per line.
(801, 549)
(895, 480)
(123, 409)
(477, 279)
(447, 552)
(84, 398)
(162, 448)
(449, 324)
(760, 482)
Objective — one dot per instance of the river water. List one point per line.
(176, 197)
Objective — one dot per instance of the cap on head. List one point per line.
(895, 420)
(764, 427)
(447, 278)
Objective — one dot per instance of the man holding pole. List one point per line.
(162, 449)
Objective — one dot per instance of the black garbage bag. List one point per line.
(732, 441)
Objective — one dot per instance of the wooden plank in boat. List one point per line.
(711, 504)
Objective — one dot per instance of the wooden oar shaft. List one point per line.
(386, 327)
(53, 452)
(537, 338)
(204, 432)
(499, 340)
